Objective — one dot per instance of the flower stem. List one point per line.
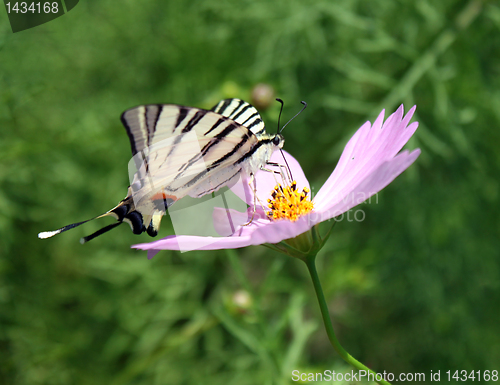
(311, 265)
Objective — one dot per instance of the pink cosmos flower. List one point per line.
(369, 162)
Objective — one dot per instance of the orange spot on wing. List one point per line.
(162, 196)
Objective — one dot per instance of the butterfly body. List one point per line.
(179, 151)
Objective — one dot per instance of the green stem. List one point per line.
(311, 265)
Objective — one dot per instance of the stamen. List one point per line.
(288, 203)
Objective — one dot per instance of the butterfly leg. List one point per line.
(288, 174)
(284, 177)
(254, 188)
(254, 182)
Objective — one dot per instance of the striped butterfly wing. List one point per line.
(149, 124)
(179, 151)
(182, 150)
(247, 116)
(241, 112)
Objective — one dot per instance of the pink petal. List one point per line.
(365, 152)
(258, 232)
(227, 221)
(370, 185)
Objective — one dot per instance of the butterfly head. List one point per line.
(278, 141)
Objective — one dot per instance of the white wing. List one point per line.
(181, 150)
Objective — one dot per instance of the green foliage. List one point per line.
(412, 288)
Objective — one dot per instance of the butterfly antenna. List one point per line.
(282, 154)
(297, 114)
(281, 110)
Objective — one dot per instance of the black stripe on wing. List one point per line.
(152, 115)
(241, 112)
(194, 120)
(230, 128)
(213, 166)
(217, 124)
(222, 106)
(141, 123)
(221, 184)
(183, 111)
(254, 148)
(127, 122)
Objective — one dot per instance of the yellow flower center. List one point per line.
(288, 203)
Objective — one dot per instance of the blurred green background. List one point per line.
(412, 288)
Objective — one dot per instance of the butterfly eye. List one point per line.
(277, 140)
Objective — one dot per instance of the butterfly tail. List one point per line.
(48, 234)
(123, 212)
(126, 212)
(99, 232)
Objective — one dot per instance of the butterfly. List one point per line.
(179, 151)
